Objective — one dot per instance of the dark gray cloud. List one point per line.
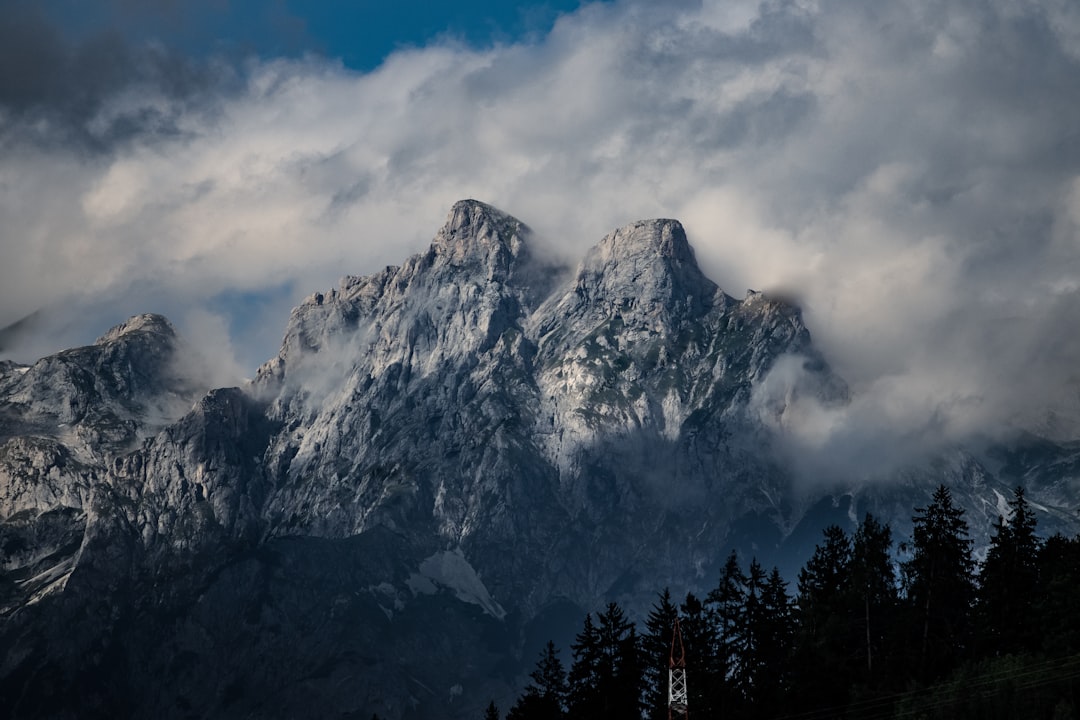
(95, 91)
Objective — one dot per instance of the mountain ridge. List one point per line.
(476, 442)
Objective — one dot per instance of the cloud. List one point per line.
(97, 92)
(910, 171)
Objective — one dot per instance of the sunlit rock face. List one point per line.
(491, 401)
(447, 462)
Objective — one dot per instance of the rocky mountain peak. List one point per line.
(446, 458)
(478, 234)
(146, 323)
(661, 236)
(644, 273)
(646, 261)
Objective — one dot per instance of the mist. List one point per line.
(909, 172)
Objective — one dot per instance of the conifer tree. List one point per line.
(1008, 581)
(583, 699)
(699, 642)
(775, 644)
(726, 605)
(874, 591)
(727, 602)
(823, 585)
(606, 677)
(492, 712)
(656, 649)
(1059, 588)
(940, 584)
(749, 666)
(545, 697)
(821, 673)
(621, 680)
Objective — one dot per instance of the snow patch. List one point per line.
(450, 569)
(421, 585)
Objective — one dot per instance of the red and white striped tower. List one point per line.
(677, 702)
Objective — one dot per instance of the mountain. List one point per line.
(447, 463)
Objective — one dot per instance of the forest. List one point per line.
(872, 630)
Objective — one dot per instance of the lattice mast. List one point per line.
(677, 701)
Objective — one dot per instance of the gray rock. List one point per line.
(443, 458)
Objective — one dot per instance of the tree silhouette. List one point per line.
(775, 641)
(1008, 581)
(545, 697)
(823, 610)
(583, 698)
(656, 650)
(874, 591)
(705, 675)
(939, 580)
(606, 677)
(1058, 590)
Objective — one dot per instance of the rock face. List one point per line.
(445, 461)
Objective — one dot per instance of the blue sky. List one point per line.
(910, 171)
(360, 33)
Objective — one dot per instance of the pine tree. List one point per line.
(940, 584)
(776, 638)
(727, 602)
(583, 698)
(821, 672)
(545, 697)
(621, 681)
(606, 677)
(656, 648)
(492, 712)
(726, 605)
(1059, 588)
(874, 591)
(823, 584)
(1008, 581)
(699, 642)
(749, 661)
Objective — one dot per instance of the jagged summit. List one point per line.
(663, 236)
(147, 322)
(646, 261)
(643, 275)
(477, 234)
(467, 215)
(445, 458)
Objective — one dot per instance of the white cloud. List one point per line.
(908, 170)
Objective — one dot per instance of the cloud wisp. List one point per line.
(911, 172)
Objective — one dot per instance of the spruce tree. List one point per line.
(699, 642)
(545, 697)
(1059, 588)
(606, 679)
(656, 649)
(622, 678)
(874, 592)
(726, 605)
(727, 602)
(749, 661)
(583, 697)
(492, 712)
(940, 584)
(821, 673)
(1008, 581)
(775, 645)
(823, 584)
